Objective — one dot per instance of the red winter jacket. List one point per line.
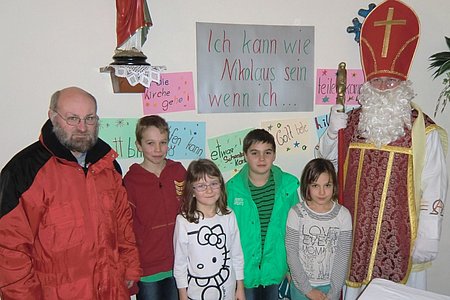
(156, 204)
(65, 231)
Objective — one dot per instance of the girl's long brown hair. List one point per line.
(311, 173)
(197, 170)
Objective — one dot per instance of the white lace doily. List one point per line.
(135, 74)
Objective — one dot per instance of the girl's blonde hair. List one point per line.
(197, 170)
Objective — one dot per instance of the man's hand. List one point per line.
(129, 283)
(424, 250)
(338, 120)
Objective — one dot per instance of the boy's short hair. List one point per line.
(148, 121)
(258, 136)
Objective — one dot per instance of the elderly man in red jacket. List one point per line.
(65, 221)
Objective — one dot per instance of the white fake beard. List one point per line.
(385, 114)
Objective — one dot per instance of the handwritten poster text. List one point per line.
(186, 139)
(254, 68)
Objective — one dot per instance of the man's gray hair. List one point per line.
(55, 98)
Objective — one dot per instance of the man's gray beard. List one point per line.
(385, 114)
(76, 145)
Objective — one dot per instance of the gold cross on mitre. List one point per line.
(387, 30)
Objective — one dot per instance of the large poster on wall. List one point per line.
(186, 139)
(254, 68)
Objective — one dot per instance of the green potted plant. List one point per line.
(441, 63)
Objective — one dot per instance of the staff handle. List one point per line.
(341, 85)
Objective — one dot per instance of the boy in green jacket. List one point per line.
(261, 195)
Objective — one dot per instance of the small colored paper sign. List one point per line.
(291, 136)
(322, 123)
(175, 92)
(186, 139)
(326, 86)
(226, 150)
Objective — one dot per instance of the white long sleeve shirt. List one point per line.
(208, 257)
(318, 247)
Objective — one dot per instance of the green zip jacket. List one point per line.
(262, 266)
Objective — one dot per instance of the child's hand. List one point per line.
(240, 293)
(182, 294)
(316, 295)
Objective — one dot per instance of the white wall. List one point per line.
(50, 44)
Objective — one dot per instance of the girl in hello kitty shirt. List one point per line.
(209, 264)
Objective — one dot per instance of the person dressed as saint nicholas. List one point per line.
(395, 174)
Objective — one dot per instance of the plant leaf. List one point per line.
(440, 61)
(447, 40)
(436, 64)
(440, 55)
(445, 67)
(435, 74)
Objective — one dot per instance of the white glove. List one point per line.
(338, 120)
(424, 250)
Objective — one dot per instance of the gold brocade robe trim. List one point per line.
(379, 193)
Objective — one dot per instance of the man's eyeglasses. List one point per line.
(201, 187)
(75, 120)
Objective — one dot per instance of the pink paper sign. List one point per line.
(175, 92)
(326, 86)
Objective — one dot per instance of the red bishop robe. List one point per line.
(379, 192)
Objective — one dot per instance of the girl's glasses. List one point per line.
(201, 187)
